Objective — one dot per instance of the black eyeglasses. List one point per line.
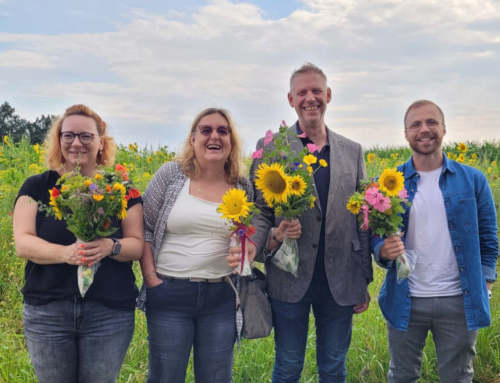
(84, 137)
(207, 130)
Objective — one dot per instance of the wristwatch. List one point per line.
(117, 247)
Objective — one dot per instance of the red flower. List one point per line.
(121, 169)
(54, 192)
(134, 193)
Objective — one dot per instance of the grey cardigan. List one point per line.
(158, 200)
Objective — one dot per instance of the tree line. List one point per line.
(16, 127)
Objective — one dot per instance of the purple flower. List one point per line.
(100, 211)
(92, 187)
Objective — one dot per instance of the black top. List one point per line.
(114, 282)
(322, 182)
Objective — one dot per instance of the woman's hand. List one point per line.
(234, 257)
(152, 280)
(92, 252)
(71, 256)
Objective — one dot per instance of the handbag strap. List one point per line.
(239, 313)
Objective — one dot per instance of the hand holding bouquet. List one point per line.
(238, 211)
(92, 207)
(379, 206)
(285, 180)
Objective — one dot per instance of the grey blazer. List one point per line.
(348, 263)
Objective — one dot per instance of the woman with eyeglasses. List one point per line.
(70, 338)
(190, 299)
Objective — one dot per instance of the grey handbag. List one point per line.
(255, 305)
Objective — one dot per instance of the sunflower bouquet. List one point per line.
(238, 211)
(379, 207)
(285, 179)
(92, 208)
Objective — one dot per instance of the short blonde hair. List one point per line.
(232, 167)
(54, 157)
(418, 104)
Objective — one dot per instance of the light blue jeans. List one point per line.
(455, 344)
(182, 315)
(77, 341)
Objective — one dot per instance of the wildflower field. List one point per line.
(368, 356)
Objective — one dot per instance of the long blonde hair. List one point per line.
(232, 167)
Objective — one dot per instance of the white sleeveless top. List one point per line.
(197, 240)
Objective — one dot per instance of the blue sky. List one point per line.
(148, 67)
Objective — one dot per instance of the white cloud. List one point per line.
(161, 69)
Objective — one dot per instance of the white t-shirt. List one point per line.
(197, 240)
(435, 272)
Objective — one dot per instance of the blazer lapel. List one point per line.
(336, 150)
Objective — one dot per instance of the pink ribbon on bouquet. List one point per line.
(244, 232)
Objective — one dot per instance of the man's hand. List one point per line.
(358, 309)
(291, 229)
(392, 248)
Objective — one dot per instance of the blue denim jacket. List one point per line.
(472, 224)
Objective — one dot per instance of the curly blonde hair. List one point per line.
(232, 167)
(54, 157)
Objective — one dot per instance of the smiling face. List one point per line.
(309, 96)
(76, 152)
(424, 130)
(211, 140)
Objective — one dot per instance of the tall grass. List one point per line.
(368, 357)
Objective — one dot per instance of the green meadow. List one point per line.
(368, 357)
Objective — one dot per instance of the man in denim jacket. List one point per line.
(450, 231)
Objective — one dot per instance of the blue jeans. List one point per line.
(455, 344)
(77, 341)
(333, 335)
(183, 314)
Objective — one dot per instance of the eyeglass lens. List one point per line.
(84, 137)
(207, 130)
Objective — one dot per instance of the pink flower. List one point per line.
(403, 194)
(269, 137)
(283, 123)
(364, 210)
(371, 195)
(383, 203)
(312, 148)
(258, 153)
(302, 135)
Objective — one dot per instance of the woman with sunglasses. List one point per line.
(186, 264)
(70, 338)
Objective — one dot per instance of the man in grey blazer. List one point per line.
(334, 258)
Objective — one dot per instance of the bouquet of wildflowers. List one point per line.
(285, 180)
(379, 207)
(238, 211)
(92, 208)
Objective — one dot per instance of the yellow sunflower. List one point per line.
(323, 163)
(271, 180)
(297, 185)
(353, 206)
(391, 182)
(97, 197)
(235, 206)
(461, 147)
(309, 159)
(370, 157)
